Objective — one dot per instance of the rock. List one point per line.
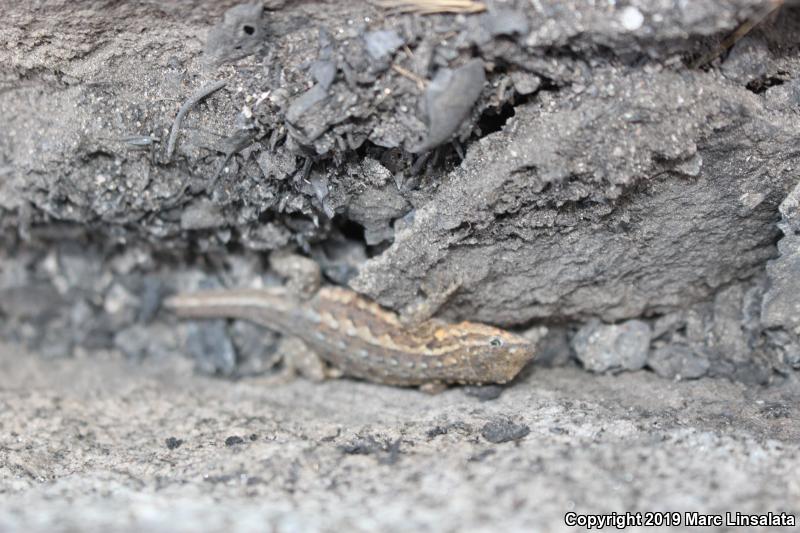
(241, 32)
(727, 336)
(631, 18)
(377, 203)
(790, 211)
(603, 348)
(202, 214)
(324, 72)
(134, 341)
(781, 304)
(504, 430)
(484, 393)
(234, 440)
(525, 83)
(677, 361)
(667, 324)
(39, 302)
(553, 349)
(211, 348)
(449, 99)
(173, 443)
(784, 347)
(277, 165)
(381, 44)
(507, 22)
(748, 60)
(152, 292)
(120, 304)
(305, 101)
(531, 257)
(255, 348)
(781, 307)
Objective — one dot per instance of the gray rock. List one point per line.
(324, 72)
(264, 237)
(151, 295)
(504, 430)
(525, 83)
(506, 22)
(781, 306)
(306, 101)
(211, 348)
(121, 305)
(277, 165)
(785, 349)
(381, 44)
(553, 349)
(241, 32)
(727, 337)
(678, 361)
(666, 325)
(255, 348)
(790, 211)
(39, 302)
(134, 341)
(484, 393)
(377, 203)
(556, 224)
(748, 60)
(202, 214)
(603, 348)
(449, 99)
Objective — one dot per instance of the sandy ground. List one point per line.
(90, 445)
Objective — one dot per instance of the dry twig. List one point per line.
(431, 7)
(743, 29)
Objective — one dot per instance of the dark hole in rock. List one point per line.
(494, 120)
(352, 230)
(249, 30)
(760, 85)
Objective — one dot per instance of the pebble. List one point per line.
(602, 348)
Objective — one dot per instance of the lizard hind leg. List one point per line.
(300, 360)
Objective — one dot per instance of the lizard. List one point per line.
(361, 339)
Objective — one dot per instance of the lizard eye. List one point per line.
(496, 342)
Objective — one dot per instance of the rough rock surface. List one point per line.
(585, 166)
(98, 445)
(609, 204)
(581, 161)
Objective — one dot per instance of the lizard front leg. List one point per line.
(436, 294)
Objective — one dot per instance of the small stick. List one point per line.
(410, 75)
(431, 7)
(740, 32)
(190, 103)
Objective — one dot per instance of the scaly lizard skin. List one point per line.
(364, 340)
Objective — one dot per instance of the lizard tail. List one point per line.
(248, 304)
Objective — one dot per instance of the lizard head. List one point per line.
(495, 355)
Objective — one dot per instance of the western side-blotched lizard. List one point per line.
(361, 339)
